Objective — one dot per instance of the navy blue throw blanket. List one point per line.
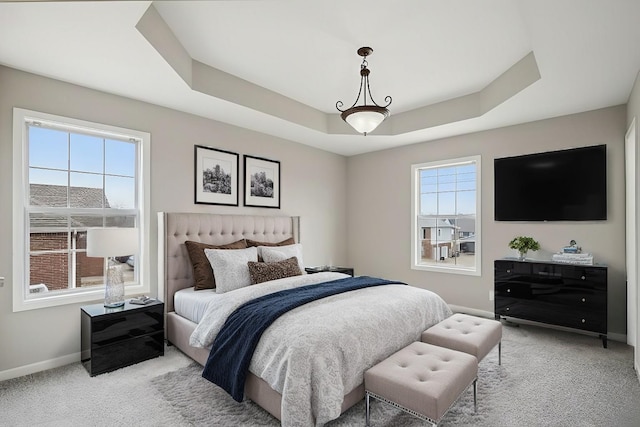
(233, 348)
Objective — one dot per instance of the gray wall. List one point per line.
(371, 213)
(379, 212)
(312, 185)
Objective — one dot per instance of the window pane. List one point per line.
(447, 203)
(466, 185)
(466, 202)
(446, 177)
(468, 168)
(120, 158)
(428, 179)
(86, 191)
(447, 186)
(50, 270)
(90, 270)
(121, 192)
(80, 223)
(86, 153)
(48, 148)
(429, 188)
(429, 204)
(120, 221)
(48, 232)
(48, 195)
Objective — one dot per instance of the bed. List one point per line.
(329, 379)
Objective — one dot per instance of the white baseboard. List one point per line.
(39, 366)
(613, 336)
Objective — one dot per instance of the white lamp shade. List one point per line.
(111, 242)
(365, 121)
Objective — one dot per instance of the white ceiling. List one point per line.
(425, 52)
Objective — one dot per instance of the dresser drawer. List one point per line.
(129, 324)
(125, 353)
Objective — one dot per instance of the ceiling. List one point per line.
(280, 66)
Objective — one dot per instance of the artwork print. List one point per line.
(262, 182)
(216, 176)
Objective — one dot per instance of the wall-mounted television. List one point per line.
(565, 185)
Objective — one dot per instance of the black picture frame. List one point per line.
(261, 182)
(216, 187)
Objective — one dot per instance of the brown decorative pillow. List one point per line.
(265, 271)
(286, 242)
(202, 272)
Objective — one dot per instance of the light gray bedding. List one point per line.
(317, 353)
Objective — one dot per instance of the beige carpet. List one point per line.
(548, 378)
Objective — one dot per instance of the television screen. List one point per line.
(565, 185)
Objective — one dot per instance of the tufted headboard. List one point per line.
(174, 228)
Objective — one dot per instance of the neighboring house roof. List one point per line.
(425, 221)
(56, 196)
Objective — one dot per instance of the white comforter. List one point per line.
(315, 354)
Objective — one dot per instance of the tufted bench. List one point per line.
(469, 334)
(422, 379)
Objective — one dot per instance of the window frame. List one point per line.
(21, 119)
(416, 263)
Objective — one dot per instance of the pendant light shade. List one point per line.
(364, 118)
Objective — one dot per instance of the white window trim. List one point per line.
(20, 176)
(415, 194)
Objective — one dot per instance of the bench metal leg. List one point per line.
(475, 396)
(366, 398)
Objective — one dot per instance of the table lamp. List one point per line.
(110, 243)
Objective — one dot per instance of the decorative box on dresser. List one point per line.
(568, 295)
(113, 338)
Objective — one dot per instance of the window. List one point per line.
(446, 216)
(69, 176)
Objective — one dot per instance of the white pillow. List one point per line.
(230, 267)
(280, 253)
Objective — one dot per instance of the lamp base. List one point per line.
(114, 286)
(114, 305)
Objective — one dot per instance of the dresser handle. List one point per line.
(508, 271)
(584, 321)
(583, 277)
(507, 308)
(508, 290)
(584, 300)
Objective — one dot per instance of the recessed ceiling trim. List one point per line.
(520, 76)
(211, 81)
(159, 35)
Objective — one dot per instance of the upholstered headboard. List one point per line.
(174, 228)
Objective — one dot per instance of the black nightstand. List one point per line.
(113, 338)
(345, 270)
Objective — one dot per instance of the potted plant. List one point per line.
(523, 244)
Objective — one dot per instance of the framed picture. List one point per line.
(216, 176)
(261, 182)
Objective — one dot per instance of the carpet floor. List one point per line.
(547, 378)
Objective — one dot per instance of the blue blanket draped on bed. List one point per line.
(233, 348)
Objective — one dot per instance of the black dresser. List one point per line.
(569, 295)
(116, 337)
